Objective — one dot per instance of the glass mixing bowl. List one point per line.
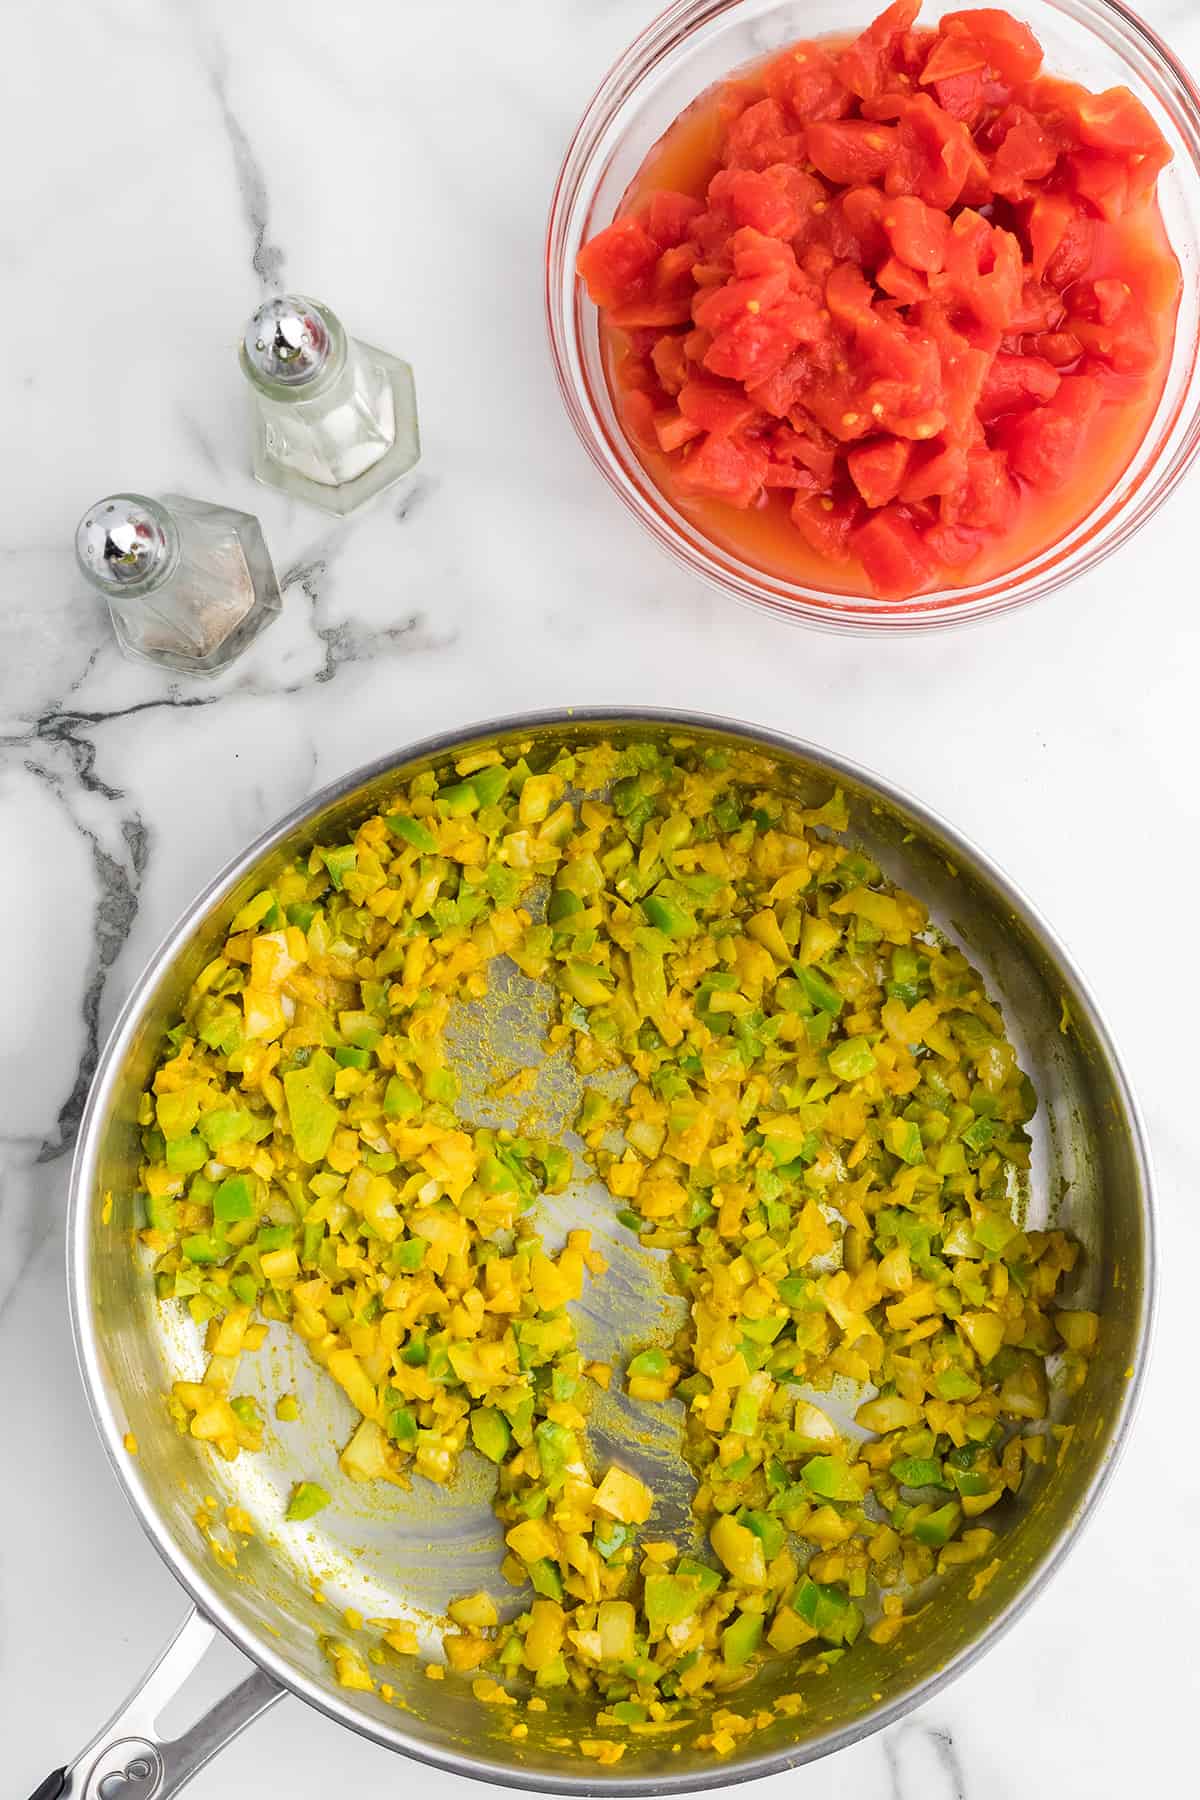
(695, 44)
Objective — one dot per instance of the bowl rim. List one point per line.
(1103, 531)
(82, 1198)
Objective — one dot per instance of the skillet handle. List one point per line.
(128, 1760)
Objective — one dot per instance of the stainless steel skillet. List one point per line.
(407, 1554)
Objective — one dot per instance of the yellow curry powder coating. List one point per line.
(824, 1135)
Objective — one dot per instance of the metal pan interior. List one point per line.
(390, 1554)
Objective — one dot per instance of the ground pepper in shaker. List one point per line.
(188, 585)
(335, 420)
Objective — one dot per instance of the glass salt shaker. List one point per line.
(188, 585)
(335, 420)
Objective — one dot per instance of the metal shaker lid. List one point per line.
(124, 541)
(287, 340)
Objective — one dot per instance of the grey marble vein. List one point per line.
(60, 727)
(347, 641)
(266, 258)
(118, 881)
(908, 1768)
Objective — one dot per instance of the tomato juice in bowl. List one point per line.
(973, 402)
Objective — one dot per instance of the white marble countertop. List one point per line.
(165, 164)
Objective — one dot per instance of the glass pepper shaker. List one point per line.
(335, 420)
(188, 585)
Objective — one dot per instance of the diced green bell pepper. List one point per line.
(225, 1125)
(903, 1139)
(400, 1100)
(955, 1384)
(767, 1529)
(402, 1425)
(545, 1579)
(234, 1199)
(828, 1610)
(918, 1471)
(339, 862)
(307, 1500)
(408, 1255)
(490, 1433)
(832, 1478)
(411, 831)
(186, 1154)
(313, 1118)
(852, 1059)
(668, 916)
(937, 1528)
(203, 1248)
(822, 994)
(740, 1640)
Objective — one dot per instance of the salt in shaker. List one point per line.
(335, 420)
(188, 585)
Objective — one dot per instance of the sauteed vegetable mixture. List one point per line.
(820, 1126)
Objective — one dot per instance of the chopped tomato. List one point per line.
(878, 469)
(764, 134)
(796, 462)
(1023, 156)
(775, 201)
(1117, 121)
(1042, 446)
(668, 217)
(779, 392)
(1108, 321)
(651, 314)
(1059, 348)
(894, 554)
(805, 80)
(670, 363)
(955, 545)
(1102, 180)
(1062, 239)
(1040, 308)
(826, 524)
(871, 318)
(953, 54)
(793, 476)
(901, 282)
(989, 496)
(819, 457)
(617, 263)
(849, 151)
(937, 157)
(935, 471)
(757, 322)
(917, 233)
(963, 96)
(910, 52)
(1009, 46)
(864, 65)
(848, 297)
(722, 468)
(721, 407)
(638, 413)
(984, 271)
(1014, 382)
(672, 430)
(862, 210)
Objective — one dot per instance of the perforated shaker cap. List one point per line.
(124, 540)
(287, 340)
